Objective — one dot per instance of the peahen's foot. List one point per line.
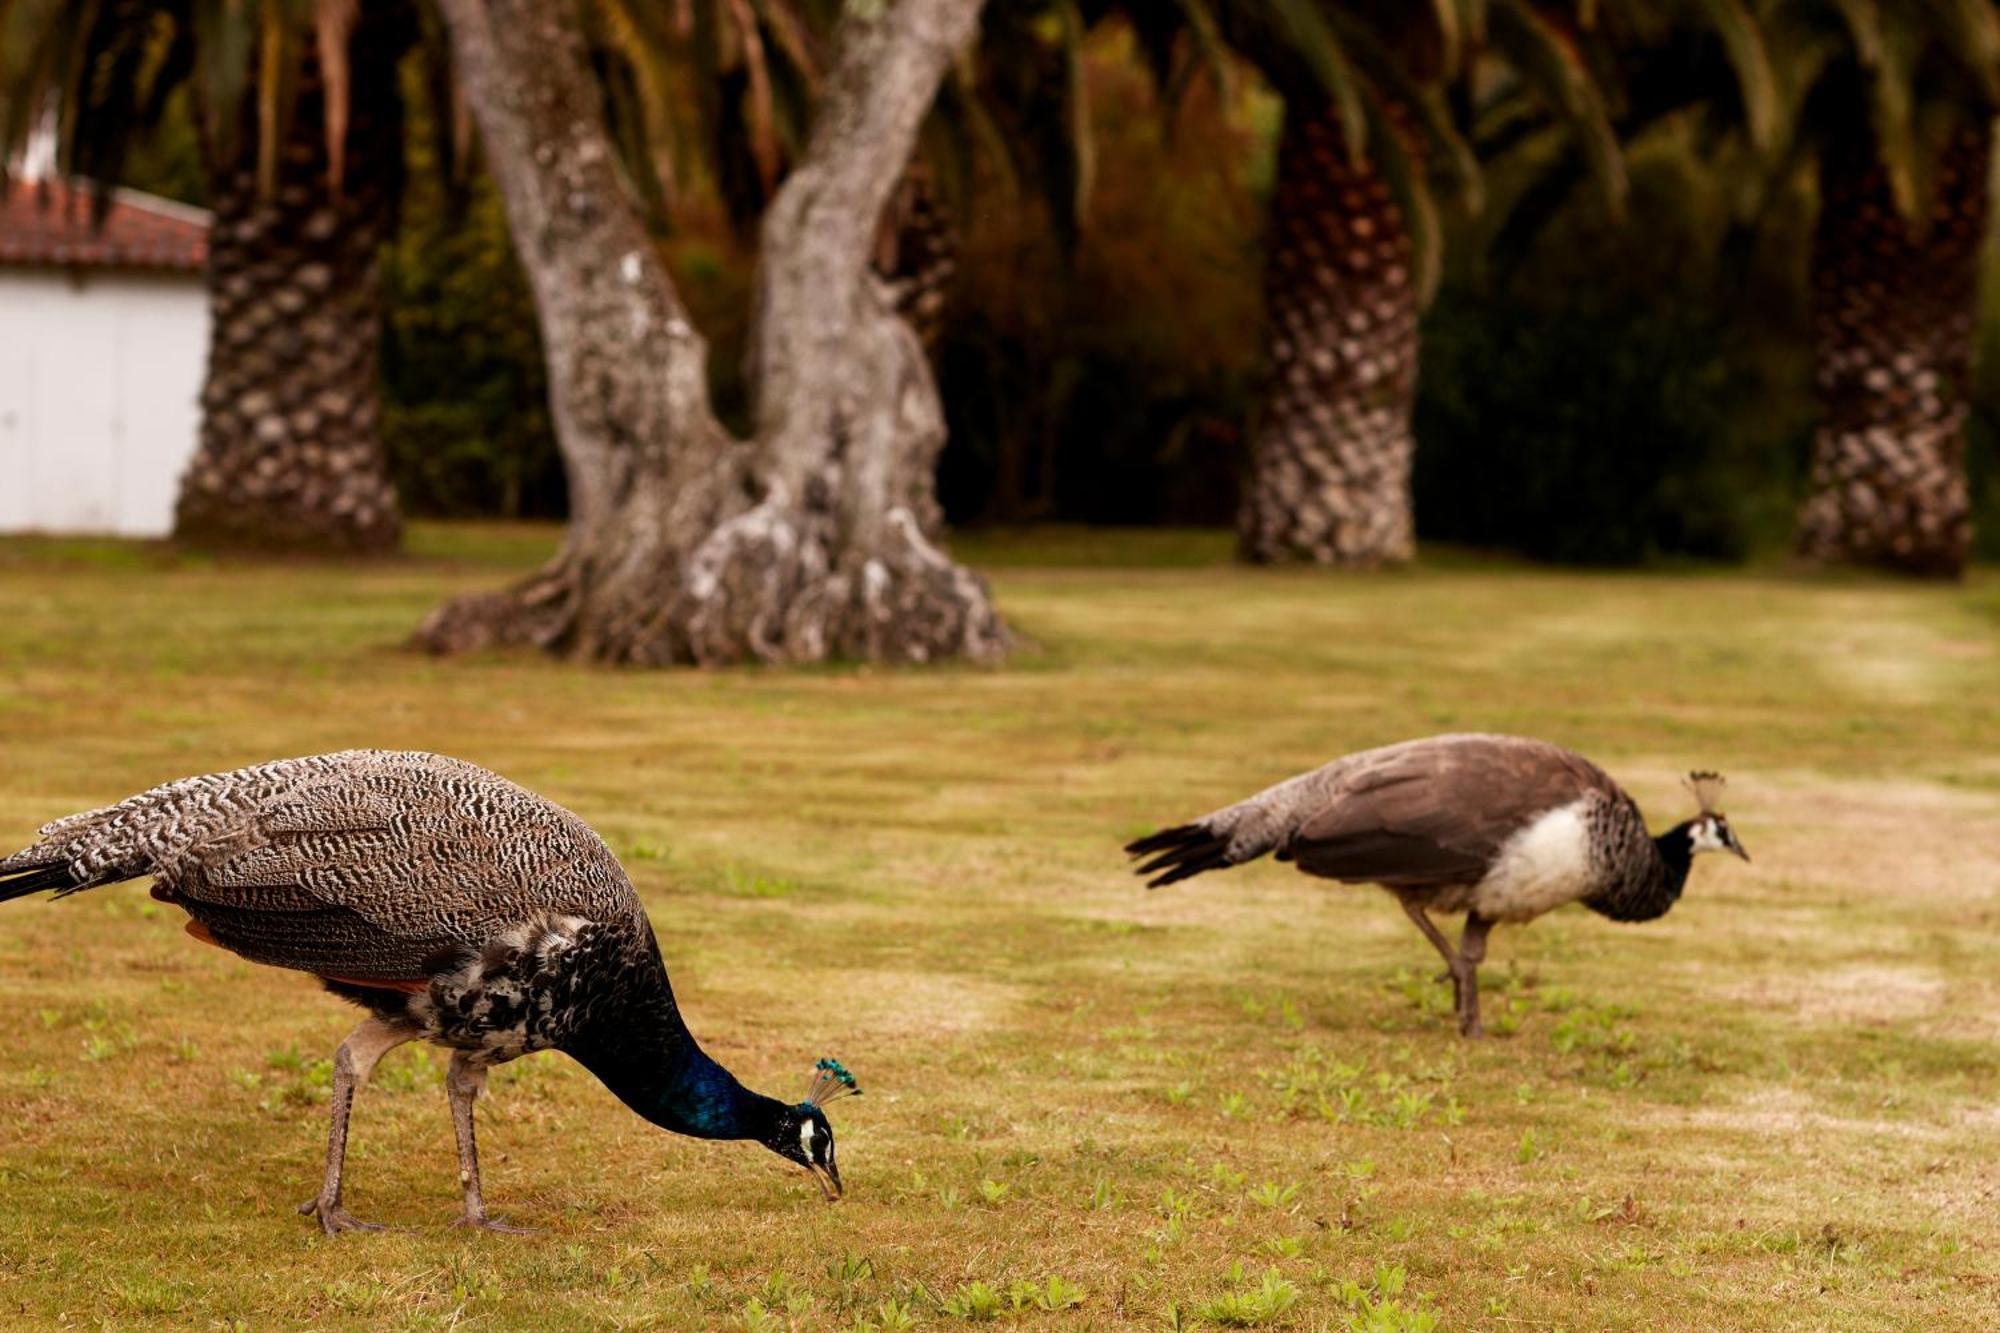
(333, 1219)
(481, 1222)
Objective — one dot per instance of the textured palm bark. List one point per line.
(685, 545)
(291, 452)
(1331, 451)
(1894, 311)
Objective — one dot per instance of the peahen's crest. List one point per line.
(1707, 789)
(830, 1083)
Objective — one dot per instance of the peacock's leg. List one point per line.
(462, 1084)
(352, 1064)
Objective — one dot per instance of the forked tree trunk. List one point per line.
(1894, 310)
(1331, 450)
(686, 545)
(291, 452)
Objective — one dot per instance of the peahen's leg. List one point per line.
(352, 1064)
(462, 1084)
(1452, 967)
(1471, 953)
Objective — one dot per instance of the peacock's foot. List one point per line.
(333, 1219)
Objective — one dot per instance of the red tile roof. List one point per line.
(49, 222)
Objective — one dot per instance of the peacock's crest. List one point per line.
(830, 1083)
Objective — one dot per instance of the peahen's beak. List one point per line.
(827, 1177)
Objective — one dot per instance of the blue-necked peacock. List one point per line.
(454, 907)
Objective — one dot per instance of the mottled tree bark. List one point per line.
(1331, 450)
(685, 545)
(291, 452)
(1894, 310)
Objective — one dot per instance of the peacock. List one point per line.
(449, 904)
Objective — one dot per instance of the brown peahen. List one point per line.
(1501, 828)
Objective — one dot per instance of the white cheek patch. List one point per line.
(806, 1136)
(1706, 839)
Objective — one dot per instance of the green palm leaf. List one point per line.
(1313, 39)
(1555, 69)
(1756, 83)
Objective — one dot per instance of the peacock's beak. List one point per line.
(1737, 847)
(827, 1177)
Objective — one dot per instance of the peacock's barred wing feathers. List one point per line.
(830, 1083)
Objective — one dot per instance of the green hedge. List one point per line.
(1591, 437)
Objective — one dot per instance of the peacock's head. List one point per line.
(803, 1134)
(1709, 831)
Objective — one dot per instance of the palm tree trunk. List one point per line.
(686, 545)
(1894, 312)
(291, 452)
(1331, 450)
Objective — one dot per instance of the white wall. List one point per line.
(100, 376)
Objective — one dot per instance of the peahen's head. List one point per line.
(804, 1135)
(1709, 831)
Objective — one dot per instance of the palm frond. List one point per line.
(1076, 108)
(333, 27)
(277, 54)
(972, 133)
(1207, 37)
(1864, 27)
(1971, 30)
(792, 36)
(1394, 90)
(1756, 83)
(1313, 39)
(1552, 66)
(224, 38)
(1447, 19)
(763, 129)
(1892, 117)
(1403, 171)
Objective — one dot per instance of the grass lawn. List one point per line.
(1239, 1100)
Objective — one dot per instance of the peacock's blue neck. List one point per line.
(703, 1100)
(640, 1048)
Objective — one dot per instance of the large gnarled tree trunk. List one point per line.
(1894, 309)
(1331, 451)
(815, 539)
(291, 451)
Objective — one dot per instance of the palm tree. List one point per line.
(1894, 104)
(1380, 100)
(301, 163)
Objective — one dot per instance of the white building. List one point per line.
(103, 340)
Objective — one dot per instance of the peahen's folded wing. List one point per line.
(1435, 812)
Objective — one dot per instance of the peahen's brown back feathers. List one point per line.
(1436, 812)
(1419, 814)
